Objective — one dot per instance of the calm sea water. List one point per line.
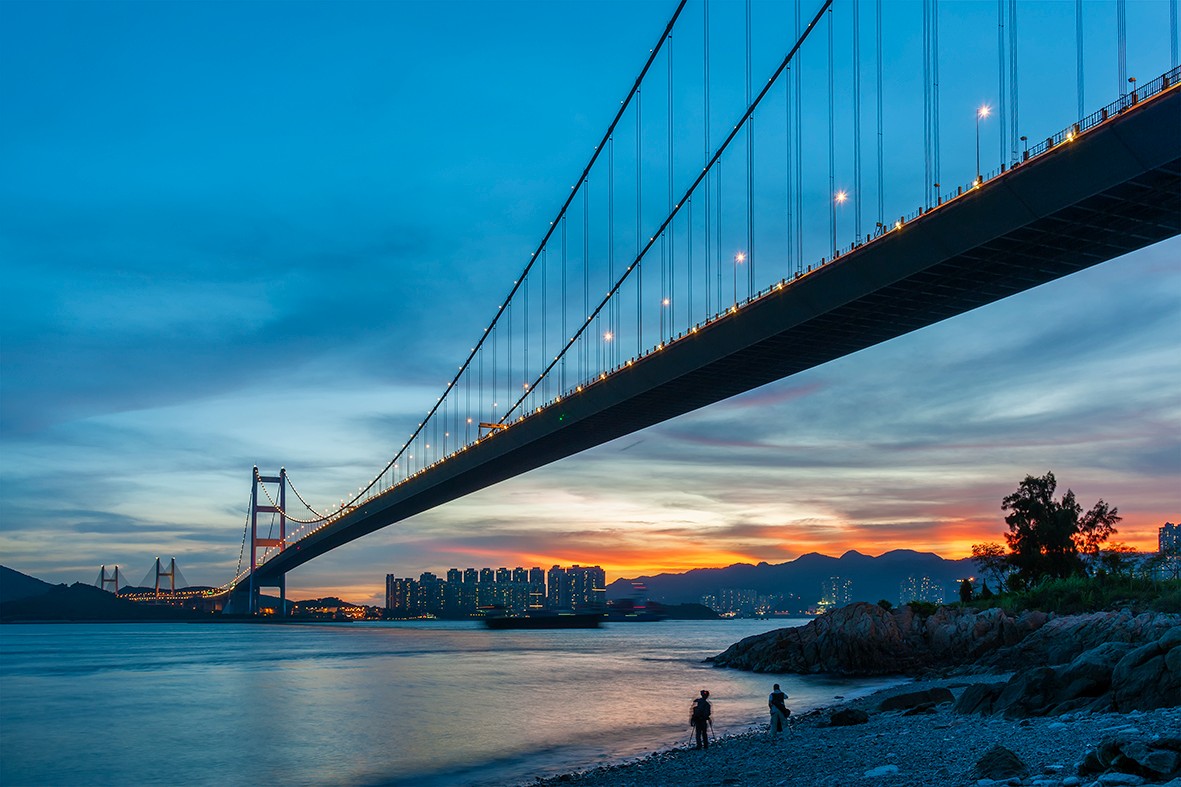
(428, 703)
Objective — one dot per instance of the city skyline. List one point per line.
(274, 244)
(519, 590)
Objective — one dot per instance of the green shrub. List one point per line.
(1078, 594)
(922, 608)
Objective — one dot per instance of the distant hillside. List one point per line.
(14, 585)
(873, 578)
(80, 602)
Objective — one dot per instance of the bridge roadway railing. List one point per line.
(1111, 188)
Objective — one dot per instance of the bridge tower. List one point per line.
(273, 506)
(104, 580)
(170, 573)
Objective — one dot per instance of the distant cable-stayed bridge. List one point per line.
(745, 217)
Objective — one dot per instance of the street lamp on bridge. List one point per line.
(739, 258)
(839, 198)
(981, 113)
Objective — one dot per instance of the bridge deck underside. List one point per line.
(1112, 191)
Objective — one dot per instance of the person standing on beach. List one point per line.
(699, 719)
(776, 703)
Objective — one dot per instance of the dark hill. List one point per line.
(80, 602)
(873, 578)
(14, 585)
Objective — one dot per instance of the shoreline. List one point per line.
(932, 749)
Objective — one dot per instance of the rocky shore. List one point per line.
(934, 747)
(1030, 700)
(864, 639)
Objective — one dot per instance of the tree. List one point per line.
(1117, 560)
(1047, 535)
(993, 561)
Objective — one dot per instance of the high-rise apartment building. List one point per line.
(835, 592)
(557, 589)
(1169, 539)
(590, 587)
(922, 589)
(398, 592)
(536, 588)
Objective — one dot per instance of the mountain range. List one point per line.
(872, 578)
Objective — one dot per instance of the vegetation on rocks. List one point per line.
(1058, 560)
(1078, 594)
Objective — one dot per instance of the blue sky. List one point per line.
(264, 233)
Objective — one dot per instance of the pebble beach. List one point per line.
(935, 748)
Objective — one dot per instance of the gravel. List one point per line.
(937, 749)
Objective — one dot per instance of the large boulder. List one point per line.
(847, 717)
(917, 699)
(1112, 676)
(1059, 640)
(1000, 763)
(864, 639)
(979, 698)
(1089, 674)
(860, 639)
(1157, 759)
(1150, 676)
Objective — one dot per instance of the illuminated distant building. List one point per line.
(536, 588)
(835, 592)
(576, 587)
(922, 589)
(398, 591)
(1169, 539)
(1169, 565)
(737, 602)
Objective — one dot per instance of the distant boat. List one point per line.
(641, 615)
(635, 609)
(545, 620)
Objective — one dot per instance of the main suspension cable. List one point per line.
(738, 126)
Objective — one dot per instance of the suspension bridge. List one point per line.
(734, 227)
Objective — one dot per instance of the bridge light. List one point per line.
(841, 196)
(981, 113)
(608, 336)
